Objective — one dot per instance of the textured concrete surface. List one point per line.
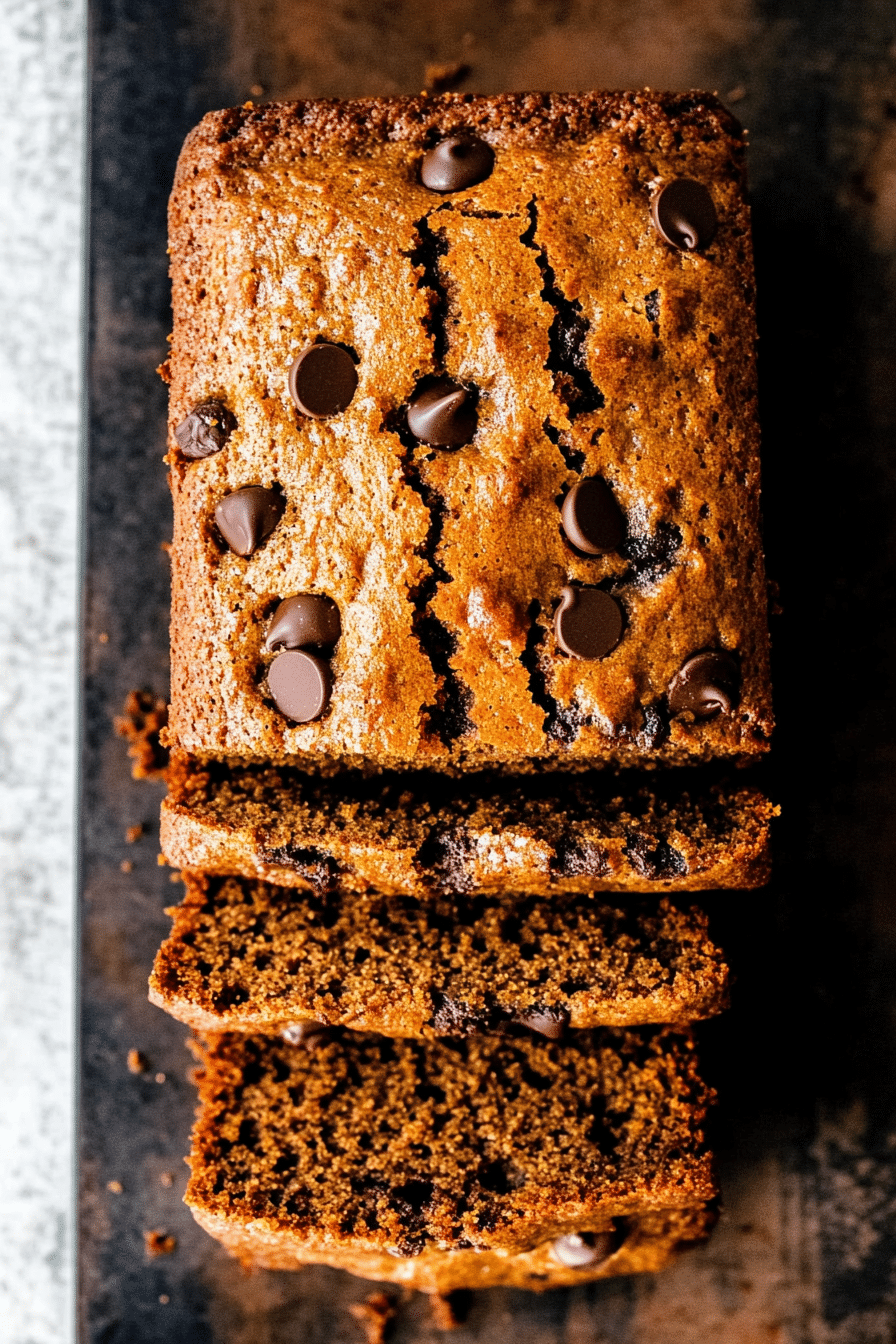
(41, 112)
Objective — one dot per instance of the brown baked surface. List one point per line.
(367, 1150)
(248, 956)
(413, 835)
(302, 220)
(649, 1241)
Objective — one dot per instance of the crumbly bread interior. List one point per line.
(248, 956)
(413, 834)
(395, 1145)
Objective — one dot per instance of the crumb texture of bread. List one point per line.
(413, 836)
(247, 956)
(409, 1160)
(594, 348)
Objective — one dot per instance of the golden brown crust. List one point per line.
(248, 956)
(414, 836)
(650, 1242)
(297, 220)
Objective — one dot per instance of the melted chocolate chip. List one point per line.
(308, 619)
(205, 430)
(582, 1250)
(684, 214)
(550, 1022)
(457, 163)
(592, 520)
(322, 380)
(588, 622)
(248, 517)
(443, 414)
(309, 1034)
(300, 685)
(707, 684)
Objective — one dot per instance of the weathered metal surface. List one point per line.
(806, 1060)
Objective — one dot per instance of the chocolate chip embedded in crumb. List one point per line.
(205, 430)
(307, 619)
(549, 1022)
(300, 685)
(309, 1034)
(706, 685)
(592, 520)
(323, 380)
(684, 214)
(458, 162)
(588, 623)
(443, 414)
(248, 517)
(583, 1250)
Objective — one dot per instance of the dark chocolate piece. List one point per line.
(443, 414)
(307, 1033)
(248, 517)
(588, 622)
(300, 685)
(322, 380)
(581, 1250)
(592, 520)
(707, 684)
(550, 1022)
(309, 619)
(684, 214)
(457, 163)
(205, 430)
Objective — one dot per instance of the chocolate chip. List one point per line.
(299, 685)
(592, 520)
(322, 380)
(308, 619)
(248, 517)
(588, 622)
(707, 684)
(205, 430)
(307, 1033)
(684, 214)
(550, 1022)
(443, 414)
(457, 163)
(582, 1250)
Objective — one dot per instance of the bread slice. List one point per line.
(413, 835)
(248, 956)
(446, 1165)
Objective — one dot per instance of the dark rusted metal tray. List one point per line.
(805, 1062)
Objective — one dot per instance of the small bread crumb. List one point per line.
(133, 833)
(137, 1061)
(159, 1243)
(126, 866)
(164, 1299)
(374, 1316)
(145, 716)
(103, 637)
(442, 75)
(449, 1310)
(115, 1186)
(167, 1179)
(160, 1077)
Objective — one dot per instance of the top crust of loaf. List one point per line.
(297, 222)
